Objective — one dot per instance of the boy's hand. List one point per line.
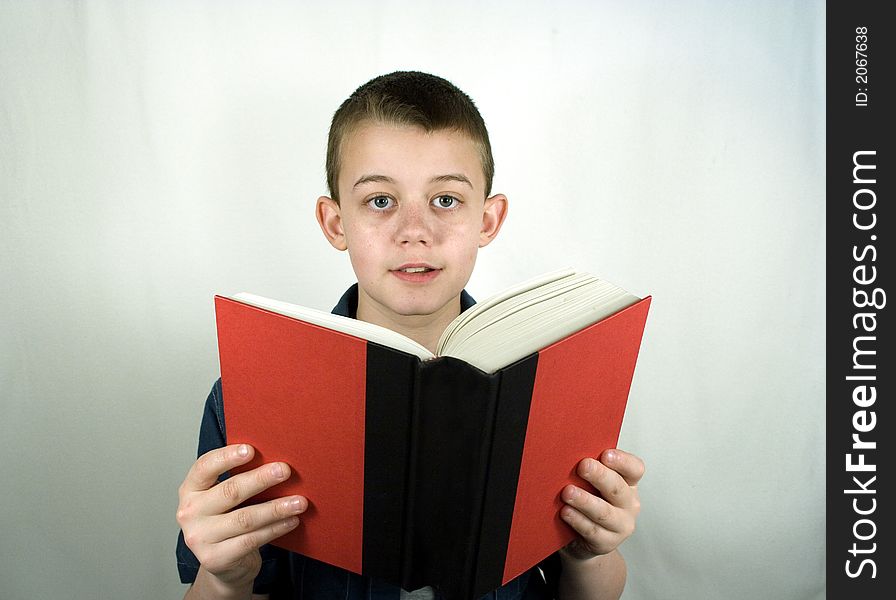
(606, 520)
(226, 541)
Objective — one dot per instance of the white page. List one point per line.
(354, 327)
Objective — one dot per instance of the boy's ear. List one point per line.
(329, 218)
(493, 215)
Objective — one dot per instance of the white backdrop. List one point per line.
(155, 153)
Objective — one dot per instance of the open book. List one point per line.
(497, 331)
(420, 470)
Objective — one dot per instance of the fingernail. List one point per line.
(296, 505)
(243, 450)
(611, 455)
(277, 470)
(588, 466)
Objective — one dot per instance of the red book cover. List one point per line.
(578, 402)
(296, 392)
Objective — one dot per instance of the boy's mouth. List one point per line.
(416, 273)
(415, 269)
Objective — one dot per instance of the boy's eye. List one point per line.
(446, 201)
(380, 202)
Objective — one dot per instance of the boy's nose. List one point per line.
(414, 226)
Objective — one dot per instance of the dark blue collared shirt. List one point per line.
(287, 575)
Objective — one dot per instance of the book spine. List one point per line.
(389, 424)
(482, 469)
(513, 394)
(451, 444)
(408, 568)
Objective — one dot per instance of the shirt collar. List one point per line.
(348, 304)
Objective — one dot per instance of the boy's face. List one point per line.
(412, 215)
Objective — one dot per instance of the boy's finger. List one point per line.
(628, 465)
(610, 484)
(253, 518)
(598, 511)
(593, 534)
(235, 490)
(237, 546)
(205, 471)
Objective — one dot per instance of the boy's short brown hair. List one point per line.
(408, 98)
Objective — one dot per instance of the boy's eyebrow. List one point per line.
(451, 177)
(373, 178)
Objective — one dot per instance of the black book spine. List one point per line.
(514, 397)
(408, 575)
(391, 377)
(452, 442)
(443, 445)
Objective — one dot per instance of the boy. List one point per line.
(409, 168)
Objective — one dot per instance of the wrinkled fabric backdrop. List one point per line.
(153, 154)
